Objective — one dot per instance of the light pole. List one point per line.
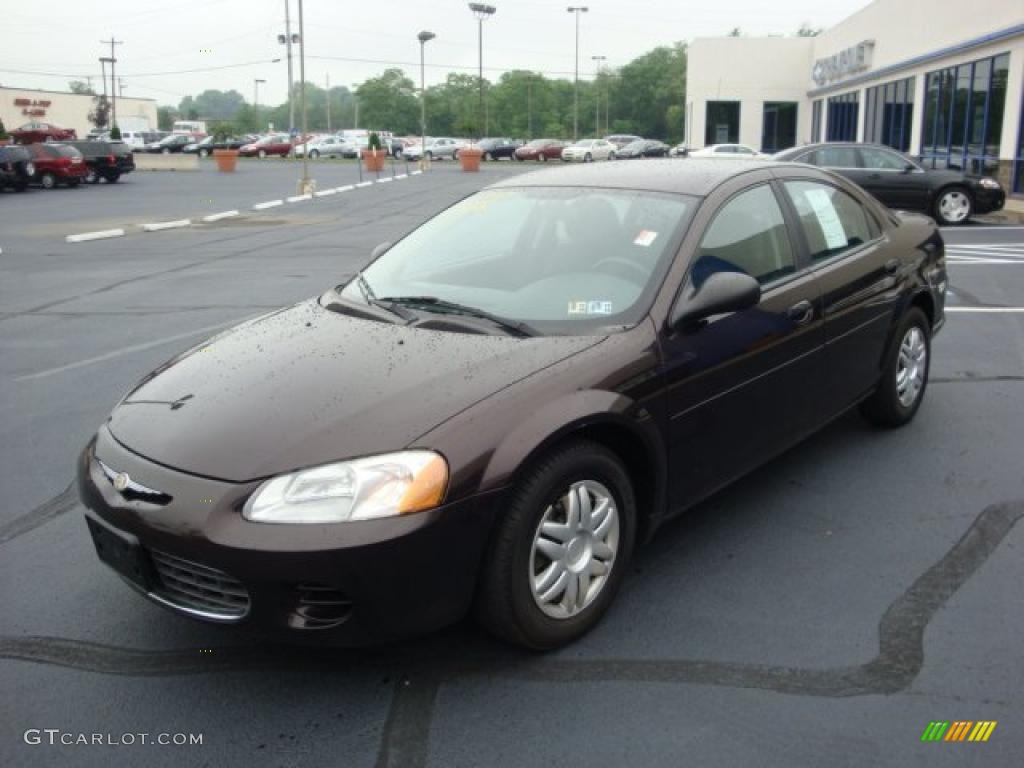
(307, 185)
(529, 107)
(424, 37)
(577, 10)
(256, 101)
(597, 93)
(482, 13)
(113, 81)
(355, 99)
(287, 39)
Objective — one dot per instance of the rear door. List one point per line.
(745, 385)
(859, 278)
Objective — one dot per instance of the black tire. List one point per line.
(543, 158)
(21, 187)
(486, 156)
(92, 178)
(165, 151)
(884, 408)
(48, 180)
(261, 154)
(588, 158)
(204, 153)
(505, 604)
(314, 154)
(72, 183)
(430, 155)
(941, 216)
(112, 177)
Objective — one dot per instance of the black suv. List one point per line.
(106, 159)
(495, 149)
(16, 168)
(950, 196)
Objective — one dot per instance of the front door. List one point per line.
(743, 386)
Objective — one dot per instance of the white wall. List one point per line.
(68, 110)
(749, 70)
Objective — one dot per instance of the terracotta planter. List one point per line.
(226, 159)
(374, 159)
(470, 158)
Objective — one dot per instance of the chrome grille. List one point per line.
(198, 589)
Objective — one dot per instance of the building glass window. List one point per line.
(1018, 161)
(963, 115)
(842, 117)
(889, 113)
(816, 121)
(723, 123)
(778, 127)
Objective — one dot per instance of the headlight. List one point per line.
(988, 183)
(362, 489)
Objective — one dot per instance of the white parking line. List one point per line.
(159, 225)
(993, 310)
(325, 193)
(384, 180)
(299, 198)
(268, 204)
(402, 176)
(363, 184)
(219, 216)
(121, 351)
(415, 173)
(346, 188)
(101, 235)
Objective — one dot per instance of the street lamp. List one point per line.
(577, 10)
(424, 37)
(482, 13)
(256, 101)
(597, 93)
(355, 99)
(287, 40)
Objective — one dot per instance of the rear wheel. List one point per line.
(588, 158)
(112, 177)
(73, 182)
(92, 177)
(560, 551)
(905, 376)
(48, 180)
(543, 158)
(165, 151)
(262, 153)
(953, 206)
(204, 153)
(314, 154)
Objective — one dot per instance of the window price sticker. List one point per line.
(590, 307)
(645, 238)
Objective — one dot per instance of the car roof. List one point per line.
(833, 145)
(694, 176)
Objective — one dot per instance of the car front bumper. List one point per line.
(343, 584)
(988, 200)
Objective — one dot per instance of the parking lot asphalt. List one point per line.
(820, 612)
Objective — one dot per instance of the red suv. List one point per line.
(57, 164)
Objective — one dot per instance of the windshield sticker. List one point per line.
(590, 307)
(828, 219)
(645, 238)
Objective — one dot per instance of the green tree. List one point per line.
(389, 102)
(99, 115)
(165, 117)
(807, 31)
(212, 105)
(647, 87)
(79, 86)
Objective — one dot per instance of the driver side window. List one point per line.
(748, 234)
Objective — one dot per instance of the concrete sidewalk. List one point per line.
(1012, 213)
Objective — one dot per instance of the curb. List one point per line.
(101, 235)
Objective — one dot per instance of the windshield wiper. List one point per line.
(386, 304)
(432, 303)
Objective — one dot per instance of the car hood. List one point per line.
(305, 386)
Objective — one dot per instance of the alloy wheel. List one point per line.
(574, 549)
(911, 366)
(954, 206)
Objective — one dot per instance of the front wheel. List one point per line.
(611, 155)
(588, 158)
(92, 178)
(204, 153)
(112, 178)
(165, 151)
(262, 153)
(48, 180)
(314, 154)
(905, 376)
(543, 158)
(953, 206)
(560, 551)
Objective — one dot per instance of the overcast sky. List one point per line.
(164, 37)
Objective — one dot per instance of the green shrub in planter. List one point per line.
(115, 133)
(374, 141)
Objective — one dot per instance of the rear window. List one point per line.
(66, 151)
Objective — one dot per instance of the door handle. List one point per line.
(892, 265)
(875, 176)
(801, 312)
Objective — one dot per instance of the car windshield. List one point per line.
(638, 145)
(584, 143)
(562, 260)
(539, 143)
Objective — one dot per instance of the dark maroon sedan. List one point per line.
(541, 150)
(501, 405)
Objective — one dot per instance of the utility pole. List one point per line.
(355, 99)
(529, 107)
(597, 94)
(577, 10)
(328, 94)
(288, 46)
(256, 101)
(113, 81)
(307, 185)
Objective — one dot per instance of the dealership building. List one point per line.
(939, 80)
(20, 106)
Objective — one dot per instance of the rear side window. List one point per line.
(833, 157)
(881, 160)
(747, 235)
(832, 221)
(65, 151)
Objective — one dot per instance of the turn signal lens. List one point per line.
(427, 487)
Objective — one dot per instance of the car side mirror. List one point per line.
(721, 292)
(909, 168)
(380, 250)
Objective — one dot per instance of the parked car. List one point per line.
(105, 159)
(741, 151)
(679, 150)
(326, 146)
(437, 149)
(588, 150)
(643, 148)
(495, 149)
(134, 139)
(35, 132)
(57, 164)
(622, 139)
(16, 168)
(174, 143)
(275, 144)
(541, 150)
(606, 347)
(950, 196)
